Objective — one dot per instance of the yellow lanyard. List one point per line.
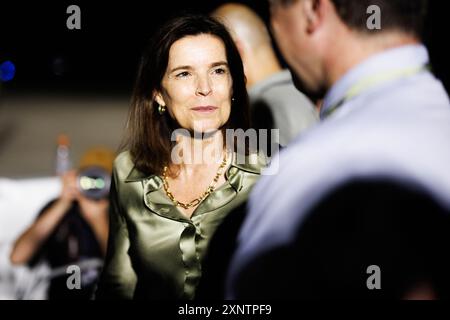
(374, 80)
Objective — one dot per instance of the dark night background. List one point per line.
(102, 57)
(79, 82)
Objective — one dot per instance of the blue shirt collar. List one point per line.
(396, 58)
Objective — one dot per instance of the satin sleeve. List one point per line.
(118, 278)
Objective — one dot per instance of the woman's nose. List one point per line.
(203, 86)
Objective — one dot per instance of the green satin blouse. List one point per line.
(154, 251)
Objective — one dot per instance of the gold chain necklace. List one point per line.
(196, 201)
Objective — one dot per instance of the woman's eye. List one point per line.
(182, 74)
(220, 71)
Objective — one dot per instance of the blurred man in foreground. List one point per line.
(385, 122)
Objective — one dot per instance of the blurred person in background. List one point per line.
(72, 228)
(275, 103)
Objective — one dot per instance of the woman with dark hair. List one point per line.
(179, 177)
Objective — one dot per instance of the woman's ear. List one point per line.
(159, 99)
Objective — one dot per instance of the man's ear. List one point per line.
(313, 10)
(159, 99)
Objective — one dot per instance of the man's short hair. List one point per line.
(403, 15)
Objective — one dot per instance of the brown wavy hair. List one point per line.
(148, 135)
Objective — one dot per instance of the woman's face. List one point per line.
(197, 85)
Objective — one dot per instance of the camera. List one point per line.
(94, 183)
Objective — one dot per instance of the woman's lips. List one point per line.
(205, 109)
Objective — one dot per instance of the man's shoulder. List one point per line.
(282, 94)
(374, 138)
(279, 83)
